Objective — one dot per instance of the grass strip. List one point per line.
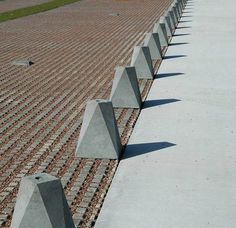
(22, 12)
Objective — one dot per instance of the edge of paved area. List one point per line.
(33, 9)
(179, 165)
(6, 5)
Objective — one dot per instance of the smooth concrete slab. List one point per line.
(179, 168)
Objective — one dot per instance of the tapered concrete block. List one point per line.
(41, 203)
(99, 136)
(125, 91)
(179, 5)
(178, 8)
(171, 20)
(167, 25)
(160, 28)
(173, 16)
(142, 61)
(176, 13)
(152, 41)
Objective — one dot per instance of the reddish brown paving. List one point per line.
(75, 50)
(7, 5)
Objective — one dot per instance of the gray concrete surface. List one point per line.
(179, 168)
(41, 203)
(125, 91)
(99, 136)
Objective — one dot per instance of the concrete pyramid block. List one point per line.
(125, 90)
(152, 41)
(41, 203)
(160, 28)
(178, 4)
(99, 136)
(166, 21)
(173, 16)
(181, 6)
(142, 61)
(175, 10)
(171, 21)
(183, 3)
(178, 9)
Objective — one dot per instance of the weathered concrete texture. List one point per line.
(41, 203)
(160, 28)
(99, 136)
(125, 91)
(165, 20)
(152, 41)
(179, 168)
(142, 61)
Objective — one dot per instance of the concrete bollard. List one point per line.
(152, 41)
(142, 61)
(99, 136)
(172, 22)
(176, 13)
(181, 5)
(125, 91)
(178, 9)
(173, 17)
(41, 202)
(167, 26)
(160, 28)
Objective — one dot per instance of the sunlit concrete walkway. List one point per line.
(179, 169)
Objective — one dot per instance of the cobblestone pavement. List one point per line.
(75, 50)
(7, 5)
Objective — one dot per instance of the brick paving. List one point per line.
(7, 5)
(75, 49)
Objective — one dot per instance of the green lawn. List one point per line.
(13, 14)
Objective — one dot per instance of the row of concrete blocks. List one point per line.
(99, 136)
(41, 202)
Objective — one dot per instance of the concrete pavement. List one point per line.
(179, 168)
